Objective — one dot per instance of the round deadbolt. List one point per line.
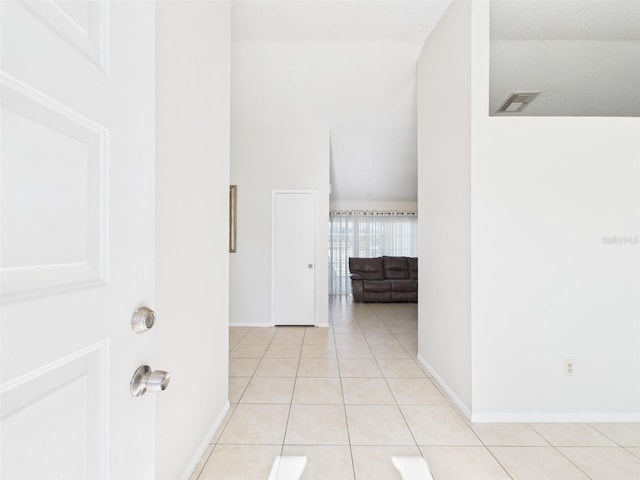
(143, 319)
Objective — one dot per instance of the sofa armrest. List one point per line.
(356, 276)
(357, 288)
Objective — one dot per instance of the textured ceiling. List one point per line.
(583, 55)
(594, 20)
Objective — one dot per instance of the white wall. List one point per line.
(444, 149)
(363, 92)
(263, 160)
(545, 286)
(193, 97)
(545, 194)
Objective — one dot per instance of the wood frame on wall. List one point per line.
(233, 210)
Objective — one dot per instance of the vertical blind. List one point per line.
(367, 234)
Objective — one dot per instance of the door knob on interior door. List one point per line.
(145, 380)
(310, 265)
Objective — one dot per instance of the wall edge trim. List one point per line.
(204, 444)
(442, 384)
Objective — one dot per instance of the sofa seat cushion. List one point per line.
(378, 297)
(404, 296)
(367, 268)
(376, 286)
(395, 267)
(404, 286)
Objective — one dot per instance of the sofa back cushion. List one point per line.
(413, 267)
(395, 268)
(367, 268)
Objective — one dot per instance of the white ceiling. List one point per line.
(603, 20)
(347, 66)
(335, 20)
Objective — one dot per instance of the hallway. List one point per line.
(351, 396)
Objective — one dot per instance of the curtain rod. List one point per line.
(373, 213)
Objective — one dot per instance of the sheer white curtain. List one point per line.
(367, 234)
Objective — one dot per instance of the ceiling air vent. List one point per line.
(517, 102)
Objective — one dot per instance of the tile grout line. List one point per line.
(245, 388)
(504, 469)
(557, 449)
(350, 324)
(204, 464)
(411, 431)
(344, 406)
(232, 409)
(213, 445)
(396, 400)
(568, 459)
(604, 435)
(295, 383)
(446, 397)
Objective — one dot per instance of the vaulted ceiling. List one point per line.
(347, 66)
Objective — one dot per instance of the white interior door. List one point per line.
(77, 219)
(294, 258)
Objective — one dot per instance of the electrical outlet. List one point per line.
(569, 367)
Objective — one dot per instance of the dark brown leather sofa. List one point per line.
(384, 279)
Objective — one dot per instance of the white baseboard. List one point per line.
(268, 325)
(529, 417)
(459, 403)
(555, 417)
(206, 441)
(250, 324)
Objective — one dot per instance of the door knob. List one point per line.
(145, 380)
(310, 265)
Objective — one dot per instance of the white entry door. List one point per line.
(293, 263)
(77, 254)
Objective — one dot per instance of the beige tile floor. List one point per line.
(351, 396)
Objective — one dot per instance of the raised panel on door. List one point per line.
(294, 262)
(32, 420)
(54, 232)
(77, 237)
